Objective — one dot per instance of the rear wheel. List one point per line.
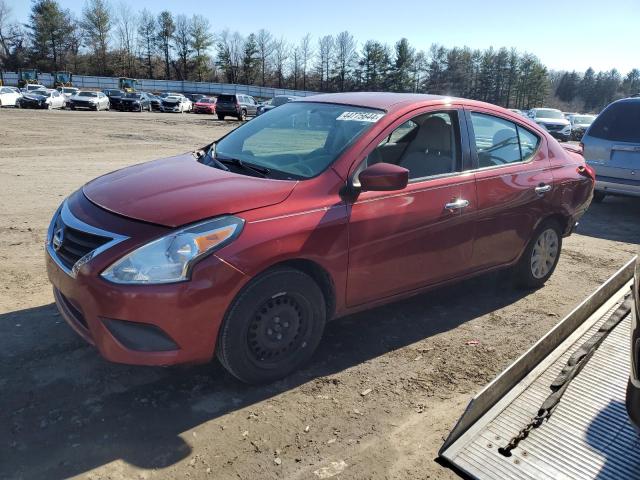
(243, 116)
(541, 256)
(273, 326)
(598, 197)
(220, 117)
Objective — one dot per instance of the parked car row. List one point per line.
(238, 106)
(563, 126)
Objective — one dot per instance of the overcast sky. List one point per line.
(563, 34)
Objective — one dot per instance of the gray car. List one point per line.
(612, 148)
(235, 105)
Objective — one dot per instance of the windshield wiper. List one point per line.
(262, 171)
(204, 156)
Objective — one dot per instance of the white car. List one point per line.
(8, 96)
(176, 103)
(45, 98)
(68, 92)
(90, 100)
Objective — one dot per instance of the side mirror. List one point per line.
(383, 177)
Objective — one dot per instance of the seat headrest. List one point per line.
(434, 136)
(502, 135)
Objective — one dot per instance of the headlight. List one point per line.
(566, 129)
(170, 258)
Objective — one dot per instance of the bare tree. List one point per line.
(126, 21)
(325, 54)
(264, 40)
(201, 40)
(96, 23)
(5, 14)
(182, 44)
(230, 47)
(164, 32)
(147, 38)
(345, 57)
(280, 53)
(306, 52)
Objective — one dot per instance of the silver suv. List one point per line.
(612, 147)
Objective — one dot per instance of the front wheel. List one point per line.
(272, 327)
(541, 256)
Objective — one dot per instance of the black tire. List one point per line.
(525, 272)
(220, 117)
(243, 116)
(272, 327)
(598, 197)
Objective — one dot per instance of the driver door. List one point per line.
(422, 235)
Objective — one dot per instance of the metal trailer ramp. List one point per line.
(588, 436)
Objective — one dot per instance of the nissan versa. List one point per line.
(245, 248)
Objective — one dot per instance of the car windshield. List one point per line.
(133, 95)
(548, 113)
(44, 93)
(87, 94)
(299, 139)
(69, 90)
(206, 100)
(584, 119)
(173, 99)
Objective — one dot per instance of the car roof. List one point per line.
(391, 102)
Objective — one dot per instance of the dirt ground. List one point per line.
(65, 412)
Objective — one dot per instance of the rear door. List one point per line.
(422, 235)
(612, 143)
(514, 185)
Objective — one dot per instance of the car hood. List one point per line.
(179, 190)
(34, 96)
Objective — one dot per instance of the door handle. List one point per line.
(458, 204)
(542, 189)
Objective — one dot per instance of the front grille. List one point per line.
(71, 244)
(554, 128)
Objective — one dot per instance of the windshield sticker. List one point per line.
(360, 116)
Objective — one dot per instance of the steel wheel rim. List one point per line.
(544, 253)
(278, 330)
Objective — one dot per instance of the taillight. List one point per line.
(587, 171)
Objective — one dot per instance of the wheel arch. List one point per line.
(317, 272)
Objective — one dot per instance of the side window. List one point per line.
(427, 145)
(528, 143)
(501, 142)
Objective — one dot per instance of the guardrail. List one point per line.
(85, 81)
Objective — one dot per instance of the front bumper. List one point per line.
(35, 105)
(87, 105)
(146, 324)
(168, 109)
(560, 136)
(204, 110)
(129, 107)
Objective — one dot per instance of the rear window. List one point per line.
(227, 98)
(619, 123)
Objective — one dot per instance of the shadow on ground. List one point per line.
(614, 219)
(68, 410)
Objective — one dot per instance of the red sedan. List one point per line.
(330, 204)
(205, 105)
